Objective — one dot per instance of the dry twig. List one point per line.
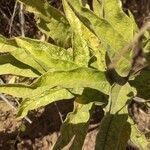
(13, 107)
(12, 18)
(22, 19)
(5, 16)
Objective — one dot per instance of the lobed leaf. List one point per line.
(77, 78)
(41, 56)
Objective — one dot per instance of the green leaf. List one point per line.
(49, 56)
(52, 21)
(44, 10)
(99, 26)
(146, 42)
(74, 79)
(119, 96)
(54, 29)
(122, 23)
(147, 46)
(25, 57)
(98, 7)
(112, 41)
(9, 65)
(114, 132)
(44, 99)
(86, 36)
(74, 129)
(136, 29)
(81, 50)
(16, 90)
(39, 55)
(77, 78)
(7, 45)
(10, 45)
(114, 128)
(80, 46)
(49, 49)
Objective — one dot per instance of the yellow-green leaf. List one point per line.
(98, 7)
(44, 99)
(86, 36)
(52, 21)
(122, 23)
(10, 65)
(10, 45)
(112, 41)
(74, 79)
(114, 132)
(74, 129)
(115, 128)
(49, 56)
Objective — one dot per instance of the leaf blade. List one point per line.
(9, 65)
(115, 129)
(48, 97)
(92, 41)
(74, 79)
(51, 57)
(74, 128)
(55, 22)
(120, 21)
(112, 41)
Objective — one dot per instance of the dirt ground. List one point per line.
(46, 122)
(44, 130)
(41, 134)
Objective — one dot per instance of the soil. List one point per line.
(44, 130)
(41, 134)
(46, 122)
